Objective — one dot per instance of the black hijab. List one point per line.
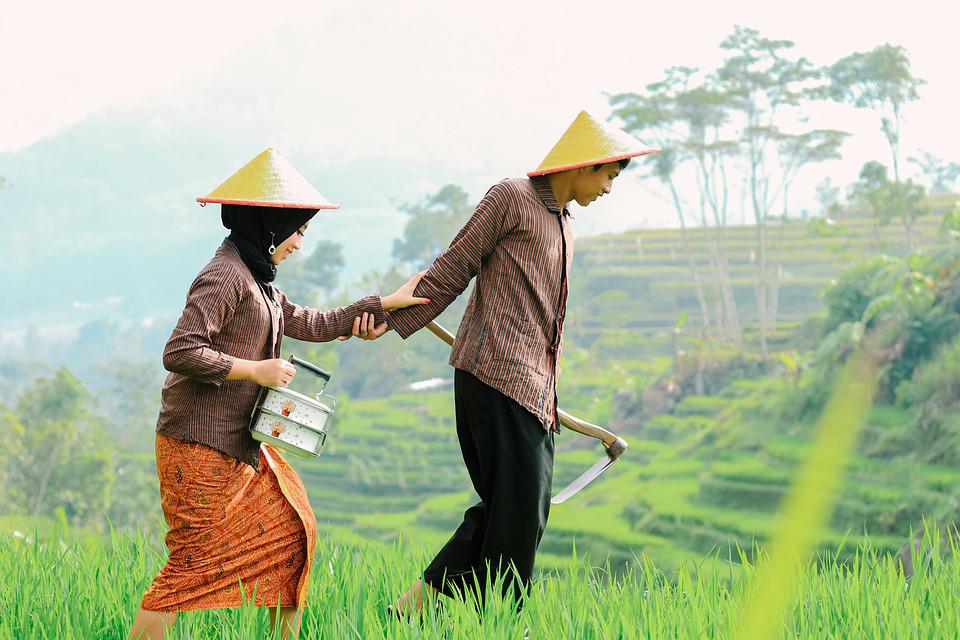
(255, 229)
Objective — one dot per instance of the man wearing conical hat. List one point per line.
(240, 526)
(519, 246)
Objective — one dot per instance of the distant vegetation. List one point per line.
(711, 347)
(715, 431)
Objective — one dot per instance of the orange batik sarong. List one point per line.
(230, 525)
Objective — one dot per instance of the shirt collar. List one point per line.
(542, 186)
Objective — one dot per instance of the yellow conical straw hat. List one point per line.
(587, 142)
(269, 180)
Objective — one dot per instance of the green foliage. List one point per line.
(887, 199)
(324, 265)
(881, 80)
(933, 393)
(409, 479)
(129, 401)
(18, 372)
(709, 369)
(907, 304)
(708, 406)
(64, 459)
(431, 225)
(392, 468)
(908, 308)
(307, 280)
(828, 196)
(884, 514)
(935, 380)
(135, 499)
(942, 175)
(950, 226)
(11, 494)
(740, 495)
(880, 77)
(872, 191)
(711, 123)
(804, 402)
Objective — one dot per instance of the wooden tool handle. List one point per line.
(613, 444)
(441, 333)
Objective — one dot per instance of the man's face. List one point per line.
(590, 183)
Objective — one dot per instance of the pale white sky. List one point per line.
(484, 87)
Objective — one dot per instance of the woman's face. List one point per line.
(288, 246)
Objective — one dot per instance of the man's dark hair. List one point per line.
(623, 165)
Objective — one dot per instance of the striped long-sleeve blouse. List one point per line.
(519, 245)
(228, 316)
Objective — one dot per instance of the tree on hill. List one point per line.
(10, 453)
(872, 192)
(431, 225)
(742, 115)
(940, 174)
(65, 460)
(828, 197)
(685, 114)
(912, 303)
(879, 79)
(950, 225)
(764, 83)
(886, 199)
(308, 280)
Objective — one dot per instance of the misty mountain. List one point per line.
(101, 219)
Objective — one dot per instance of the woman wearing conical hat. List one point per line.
(240, 526)
(519, 246)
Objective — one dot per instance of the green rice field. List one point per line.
(72, 589)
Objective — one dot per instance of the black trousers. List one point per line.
(509, 456)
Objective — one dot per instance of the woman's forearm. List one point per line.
(314, 325)
(241, 370)
(274, 372)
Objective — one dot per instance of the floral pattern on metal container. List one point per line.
(297, 407)
(292, 421)
(288, 435)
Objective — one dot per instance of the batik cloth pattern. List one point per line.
(236, 534)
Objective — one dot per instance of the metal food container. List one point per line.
(292, 421)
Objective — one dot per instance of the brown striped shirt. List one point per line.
(519, 245)
(228, 316)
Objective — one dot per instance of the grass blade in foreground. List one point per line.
(810, 501)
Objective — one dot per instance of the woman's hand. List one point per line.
(403, 297)
(364, 328)
(275, 372)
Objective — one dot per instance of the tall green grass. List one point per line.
(811, 499)
(54, 589)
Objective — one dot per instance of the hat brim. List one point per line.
(590, 163)
(264, 203)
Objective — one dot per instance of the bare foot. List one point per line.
(412, 601)
(151, 625)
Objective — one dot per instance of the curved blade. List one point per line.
(585, 478)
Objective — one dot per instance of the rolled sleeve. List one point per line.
(313, 325)
(453, 269)
(190, 351)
